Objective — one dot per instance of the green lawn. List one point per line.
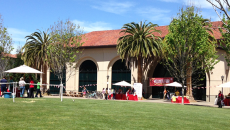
(46, 113)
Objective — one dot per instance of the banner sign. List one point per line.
(160, 81)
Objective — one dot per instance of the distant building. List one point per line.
(100, 60)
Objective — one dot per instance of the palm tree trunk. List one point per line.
(44, 77)
(139, 64)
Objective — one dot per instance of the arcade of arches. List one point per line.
(88, 76)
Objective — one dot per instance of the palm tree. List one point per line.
(138, 44)
(35, 52)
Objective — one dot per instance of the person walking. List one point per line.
(84, 91)
(38, 89)
(22, 86)
(31, 89)
(219, 100)
(3, 86)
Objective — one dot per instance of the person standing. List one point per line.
(103, 93)
(22, 86)
(114, 94)
(38, 89)
(106, 94)
(127, 94)
(165, 91)
(3, 86)
(220, 98)
(177, 93)
(109, 92)
(168, 94)
(31, 89)
(27, 86)
(11, 84)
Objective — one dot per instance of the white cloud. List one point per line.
(197, 3)
(18, 37)
(169, 0)
(114, 6)
(210, 15)
(95, 26)
(154, 14)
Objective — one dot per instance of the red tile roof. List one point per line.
(11, 55)
(109, 37)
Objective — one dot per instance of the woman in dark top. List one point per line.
(220, 98)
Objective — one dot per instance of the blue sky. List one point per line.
(23, 17)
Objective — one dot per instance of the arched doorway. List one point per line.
(160, 72)
(88, 75)
(54, 80)
(120, 72)
(199, 85)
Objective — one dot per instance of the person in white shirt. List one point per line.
(103, 93)
(110, 92)
(22, 86)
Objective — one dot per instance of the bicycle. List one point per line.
(91, 95)
(99, 95)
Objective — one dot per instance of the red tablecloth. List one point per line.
(123, 97)
(226, 102)
(179, 100)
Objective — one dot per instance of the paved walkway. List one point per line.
(154, 100)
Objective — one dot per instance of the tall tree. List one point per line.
(225, 40)
(6, 47)
(199, 74)
(35, 52)
(66, 38)
(186, 46)
(139, 44)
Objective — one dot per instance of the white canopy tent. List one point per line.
(175, 84)
(22, 69)
(122, 84)
(225, 85)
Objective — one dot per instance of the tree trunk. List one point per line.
(189, 83)
(139, 79)
(44, 77)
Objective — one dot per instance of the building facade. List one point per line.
(100, 66)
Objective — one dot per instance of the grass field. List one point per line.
(46, 113)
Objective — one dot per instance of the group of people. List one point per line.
(108, 92)
(22, 83)
(4, 86)
(167, 94)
